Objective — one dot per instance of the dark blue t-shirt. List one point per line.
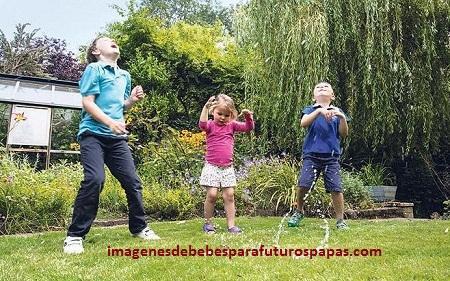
(322, 136)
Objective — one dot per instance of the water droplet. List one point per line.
(324, 242)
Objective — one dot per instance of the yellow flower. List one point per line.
(195, 140)
(74, 146)
(20, 116)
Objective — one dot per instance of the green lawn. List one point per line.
(411, 250)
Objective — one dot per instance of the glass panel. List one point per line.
(34, 92)
(40, 94)
(7, 89)
(69, 96)
(65, 128)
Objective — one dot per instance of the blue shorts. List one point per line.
(316, 163)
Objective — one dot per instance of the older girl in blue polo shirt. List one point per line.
(106, 92)
(326, 125)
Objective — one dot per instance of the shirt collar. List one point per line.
(104, 65)
(316, 105)
(114, 69)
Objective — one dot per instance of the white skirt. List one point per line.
(216, 176)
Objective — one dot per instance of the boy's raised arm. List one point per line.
(136, 95)
(308, 119)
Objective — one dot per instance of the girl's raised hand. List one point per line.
(210, 102)
(246, 112)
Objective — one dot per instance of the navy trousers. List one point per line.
(115, 153)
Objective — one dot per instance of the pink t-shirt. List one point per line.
(220, 139)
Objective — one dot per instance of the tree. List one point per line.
(388, 62)
(29, 55)
(20, 56)
(58, 62)
(180, 66)
(190, 11)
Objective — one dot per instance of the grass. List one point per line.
(411, 250)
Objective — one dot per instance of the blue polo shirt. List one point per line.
(322, 136)
(111, 86)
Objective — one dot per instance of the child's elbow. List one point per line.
(303, 124)
(202, 126)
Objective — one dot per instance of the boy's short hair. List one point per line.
(228, 102)
(90, 57)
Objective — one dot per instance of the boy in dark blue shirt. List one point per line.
(321, 150)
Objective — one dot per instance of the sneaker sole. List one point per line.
(73, 252)
(148, 238)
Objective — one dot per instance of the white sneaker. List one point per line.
(73, 245)
(147, 234)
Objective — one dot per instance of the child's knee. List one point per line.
(94, 180)
(228, 195)
(211, 196)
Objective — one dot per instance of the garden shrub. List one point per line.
(270, 185)
(35, 201)
(446, 215)
(170, 203)
(113, 200)
(356, 194)
(372, 174)
(174, 162)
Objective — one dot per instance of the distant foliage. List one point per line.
(58, 62)
(270, 186)
(190, 11)
(21, 55)
(180, 66)
(388, 62)
(29, 55)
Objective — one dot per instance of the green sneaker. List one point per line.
(341, 225)
(295, 219)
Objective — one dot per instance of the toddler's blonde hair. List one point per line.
(227, 102)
